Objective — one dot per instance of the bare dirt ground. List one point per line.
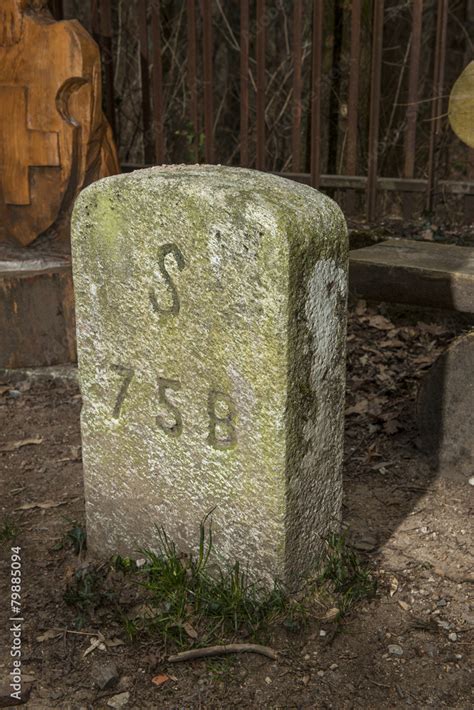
(410, 646)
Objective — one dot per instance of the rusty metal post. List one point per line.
(261, 41)
(437, 106)
(244, 83)
(297, 86)
(192, 74)
(412, 100)
(107, 56)
(145, 81)
(157, 80)
(374, 107)
(316, 92)
(208, 94)
(353, 100)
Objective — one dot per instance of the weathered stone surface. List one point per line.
(445, 409)
(211, 331)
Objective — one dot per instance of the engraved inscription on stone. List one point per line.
(222, 420)
(171, 422)
(163, 252)
(126, 374)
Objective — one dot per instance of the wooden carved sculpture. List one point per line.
(54, 138)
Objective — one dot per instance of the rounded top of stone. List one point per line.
(217, 177)
(176, 193)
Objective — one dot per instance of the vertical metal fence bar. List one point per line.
(108, 61)
(244, 83)
(353, 101)
(95, 22)
(192, 74)
(413, 78)
(374, 108)
(316, 92)
(261, 42)
(353, 94)
(437, 105)
(208, 93)
(412, 101)
(297, 86)
(145, 81)
(157, 81)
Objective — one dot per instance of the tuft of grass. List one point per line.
(344, 575)
(87, 592)
(77, 537)
(189, 601)
(8, 531)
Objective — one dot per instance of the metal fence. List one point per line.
(357, 173)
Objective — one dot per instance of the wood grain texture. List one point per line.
(54, 138)
(420, 273)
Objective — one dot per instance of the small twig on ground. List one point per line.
(77, 633)
(224, 650)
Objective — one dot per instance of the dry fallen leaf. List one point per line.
(98, 642)
(393, 586)
(380, 322)
(391, 426)
(141, 611)
(111, 643)
(46, 505)
(331, 614)
(161, 679)
(361, 307)
(49, 635)
(15, 445)
(391, 343)
(360, 407)
(192, 633)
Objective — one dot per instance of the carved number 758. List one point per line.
(222, 426)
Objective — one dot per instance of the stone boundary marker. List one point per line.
(211, 317)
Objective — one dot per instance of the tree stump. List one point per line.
(445, 409)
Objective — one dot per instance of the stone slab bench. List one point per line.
(438, 276)
(419, 273)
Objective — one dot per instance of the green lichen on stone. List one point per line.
(198, 285)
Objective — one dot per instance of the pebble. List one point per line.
(105, 675)
(119, 701)
(471, 481)
(367, 543)
(333, 666)
(268, 680)
(441, 602)
(444, 624)
(320, 674)
(322, 632)
(453, 637)
(395, 650)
